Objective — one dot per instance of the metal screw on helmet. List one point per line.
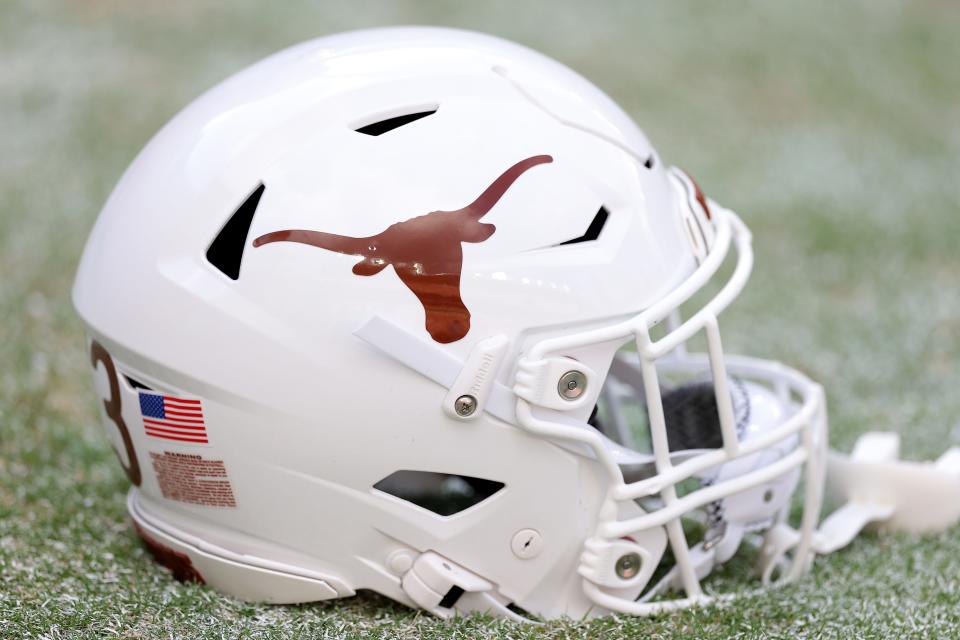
(465, 406)
(572, 385)
(628, 566)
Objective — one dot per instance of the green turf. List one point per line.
(833, 128)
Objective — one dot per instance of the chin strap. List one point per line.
(880, 492)
(889, 494)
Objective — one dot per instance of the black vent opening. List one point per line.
(383, 126)
(442, 493)
(649, 162)
(226, 250)
(136, 384)
(593, 231)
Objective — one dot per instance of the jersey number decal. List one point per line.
(113, 408)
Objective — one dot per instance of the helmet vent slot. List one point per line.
(383, 126)
(442, 493)
(593, 231)
(226, 250)
(650, 162)
(136, 384)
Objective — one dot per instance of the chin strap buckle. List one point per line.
(444, 589)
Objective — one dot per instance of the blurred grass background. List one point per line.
(833, 128)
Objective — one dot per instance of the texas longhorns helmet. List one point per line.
(399, 310)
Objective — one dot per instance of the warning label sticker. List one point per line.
(192, 478)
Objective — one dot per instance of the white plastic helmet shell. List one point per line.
(298, 418)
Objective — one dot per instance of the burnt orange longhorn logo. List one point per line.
(425, 252)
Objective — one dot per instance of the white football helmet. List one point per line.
(399, 310)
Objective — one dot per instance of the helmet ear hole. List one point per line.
(442, 493)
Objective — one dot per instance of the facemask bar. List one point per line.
(791, 387)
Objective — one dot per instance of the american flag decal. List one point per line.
(172, 418)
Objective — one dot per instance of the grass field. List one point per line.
(833, 128)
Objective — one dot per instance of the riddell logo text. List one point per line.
(425, 252)
(481, 374)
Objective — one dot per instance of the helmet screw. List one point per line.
(526, 543)
(572, 385)
(628, 566)
(465, 406)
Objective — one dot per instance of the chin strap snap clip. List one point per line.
(444, 588)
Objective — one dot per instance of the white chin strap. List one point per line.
(880, 492)
(885, 493)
